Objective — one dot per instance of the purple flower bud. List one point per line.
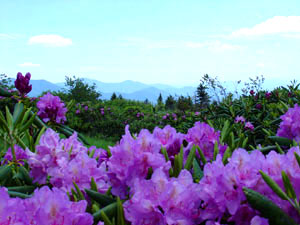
(268, 95)
(249, 126)
(258, 106)
(22, 83)
(252, 92)
(239, 119)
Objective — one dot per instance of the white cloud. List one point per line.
(29, 64)
(50, 40)
(216, 46)
(296, 36)
(275, 25)
(6, 36)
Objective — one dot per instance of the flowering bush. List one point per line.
(45, 207)
(290, 125)
(51, 108)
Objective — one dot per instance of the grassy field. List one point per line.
(100, 142)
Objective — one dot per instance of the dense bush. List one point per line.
(223, 164)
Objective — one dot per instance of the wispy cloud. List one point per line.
(274, 25)
(50, 40)
(296, 36)
(216, 46)
(150, 44)
(6, 36)
(29, 64)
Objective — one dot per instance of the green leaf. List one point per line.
(120, 212)
(25, 175)
(109, 210)
(224, 132)
(279, 149)
(288, 186)
(227, 155)
(245, 142)
(190, 158)
(22, 189)
(164, 152)
(18, 194)
(9, 119)
(19, 141)
(297, 158)
(4, 123)
(267, 208)
(94, 185)
(5, 93)
(28, 123)
(74, 194)
(202, 157)
(4, 172)
(18, 113)
(102, 199)
(38, 138)
(274, 186)
(105, 218)
(216, 150)
(26, 115)
(197, 172)
(79, 193)
(281, 140)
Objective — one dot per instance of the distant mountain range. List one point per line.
(139, 91)
(128, 89)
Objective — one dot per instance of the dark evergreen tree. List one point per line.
(113, 96)
(159, 99)
(202, 97)
(120, 96)
(184, 103)
(170, 102)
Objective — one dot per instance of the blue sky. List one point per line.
(152, 41)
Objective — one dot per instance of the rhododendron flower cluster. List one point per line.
(66, 161)
(131, 160)
(205, 137)
(221, 186)
(169, 139)
(247, 125)
(290, 125)
(163, 200)
(51, 108)
(45, 207)
(19, 152)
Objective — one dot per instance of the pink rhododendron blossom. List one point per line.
(19, 152)
(51, 108)
(290, 125)
(205, 137)
(240, 119)
(66, 161)
(249, 126)
(164, 200)
(131, 160)
(45, 207)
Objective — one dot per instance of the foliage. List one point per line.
(80, 91)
